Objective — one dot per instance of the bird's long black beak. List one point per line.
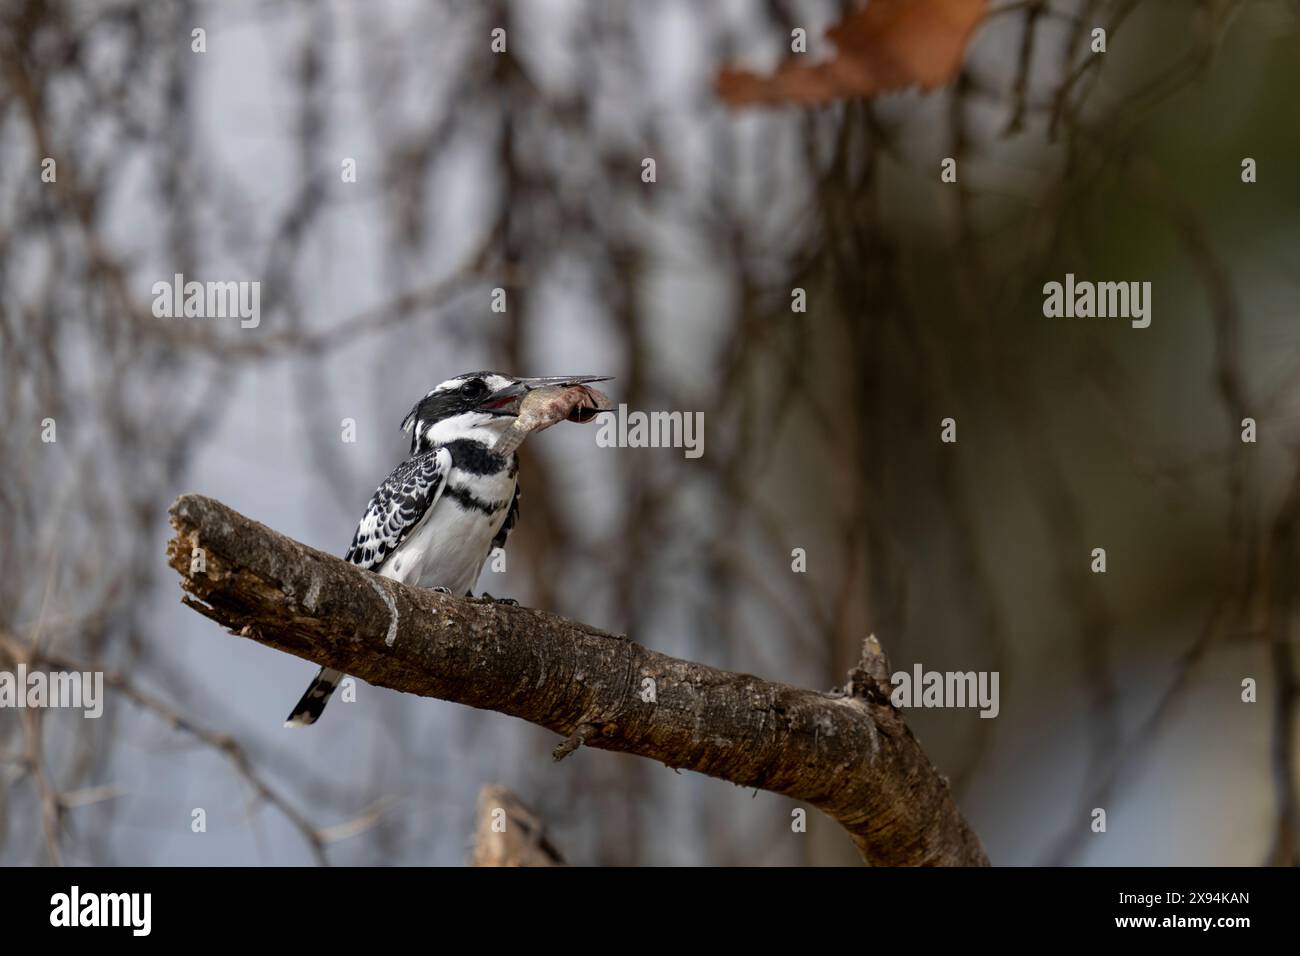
(505, 401)
(561, 380)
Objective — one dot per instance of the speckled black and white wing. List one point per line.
(397, 507)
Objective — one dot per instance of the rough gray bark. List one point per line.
(848, 753)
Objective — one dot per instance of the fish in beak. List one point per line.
(543, 402)
(508, 400)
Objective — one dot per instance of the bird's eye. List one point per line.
(475, 386)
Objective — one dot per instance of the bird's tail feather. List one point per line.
(308, 710)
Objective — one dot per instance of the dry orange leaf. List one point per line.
(888, 45)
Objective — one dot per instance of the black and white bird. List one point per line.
(435, 520)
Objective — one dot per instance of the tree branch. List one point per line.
(509, 833)
(849, 753)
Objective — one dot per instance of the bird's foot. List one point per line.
(441, 590)
(489, 599)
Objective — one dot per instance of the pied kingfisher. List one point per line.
(435, 519)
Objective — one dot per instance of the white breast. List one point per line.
(451, 543)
